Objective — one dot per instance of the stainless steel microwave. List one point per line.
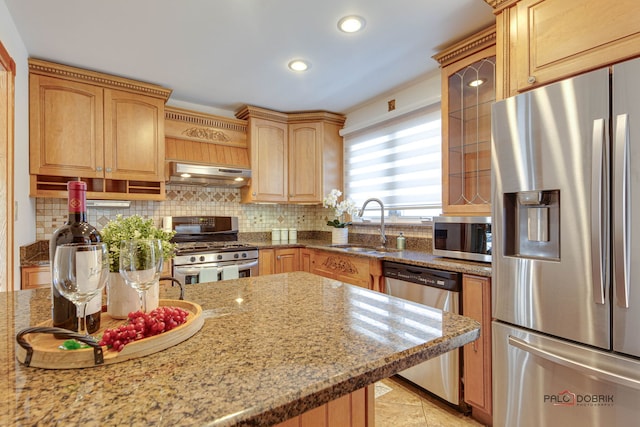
(462, 237)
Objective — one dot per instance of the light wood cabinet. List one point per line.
(101, 129)
(295, 157)
(34, 277)
(305, 162)
(133, 136)
(306, 256)
(468, 91)
(355, 409)
(361, 271)
(548, 40)
(476, 304)
(278, 260)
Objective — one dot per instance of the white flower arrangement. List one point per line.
(346, 206)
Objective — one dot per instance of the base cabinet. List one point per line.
(361, 271)
(279, 260)
(355, 409)
(476, 304)
(36, 277)
(305, 259)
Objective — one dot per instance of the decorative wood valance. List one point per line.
(194, 126)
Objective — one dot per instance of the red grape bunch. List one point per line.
(142, 325)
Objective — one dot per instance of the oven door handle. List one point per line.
(248, 264)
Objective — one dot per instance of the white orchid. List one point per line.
(346, 206)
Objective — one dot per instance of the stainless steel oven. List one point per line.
(463, 237)
(208, 250)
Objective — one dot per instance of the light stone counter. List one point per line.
(410, 257)
(271, 347)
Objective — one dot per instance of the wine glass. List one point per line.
(80, 272)
(140, 265)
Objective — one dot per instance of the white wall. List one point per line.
(409, 97)
(24, 226)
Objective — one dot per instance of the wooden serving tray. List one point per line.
(44, 352)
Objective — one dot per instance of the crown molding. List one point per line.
(53, 69)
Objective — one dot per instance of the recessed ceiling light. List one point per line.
(351, 24)
(299, 65)
(476, 83)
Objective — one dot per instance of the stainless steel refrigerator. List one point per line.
(566, 252)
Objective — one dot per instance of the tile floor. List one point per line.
(401, 404)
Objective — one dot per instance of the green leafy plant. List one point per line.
(133, 227)
(346, 206)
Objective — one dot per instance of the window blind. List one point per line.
(398, 162)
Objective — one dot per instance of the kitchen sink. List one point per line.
(365, 249)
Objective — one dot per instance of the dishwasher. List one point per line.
(438, 289)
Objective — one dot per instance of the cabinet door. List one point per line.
(305, 260)
(287, 260)
(65, 125)
(266, 261)
(36, 277)
(557, 39)
(269, 151)
(468, 92)
(476, 304)
(305, 162)
(134, 136)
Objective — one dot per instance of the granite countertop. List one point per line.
(410, 257)
(271, 348)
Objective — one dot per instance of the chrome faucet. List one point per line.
(383, 238)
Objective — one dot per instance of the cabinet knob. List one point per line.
(278, 257)
(99, 168)
(253, 194)
(108, 169)
(531, 80)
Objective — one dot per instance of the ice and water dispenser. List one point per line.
(532, 224)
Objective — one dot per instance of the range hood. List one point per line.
(205, 175)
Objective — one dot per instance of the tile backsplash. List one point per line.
(183, 200)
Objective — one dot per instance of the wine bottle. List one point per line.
(76, 230)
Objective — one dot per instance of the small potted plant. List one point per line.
(339, 232)
(122, 299)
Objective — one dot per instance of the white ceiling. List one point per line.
(226, 53)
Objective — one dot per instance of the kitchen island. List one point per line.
(271, 348)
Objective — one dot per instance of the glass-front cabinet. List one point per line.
(468, 91)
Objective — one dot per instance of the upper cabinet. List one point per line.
(468, 91)
(295, 157)
(101, 129)
(547, 40)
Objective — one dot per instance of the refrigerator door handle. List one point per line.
(621, 211)
(597, 181)
(583, 368)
